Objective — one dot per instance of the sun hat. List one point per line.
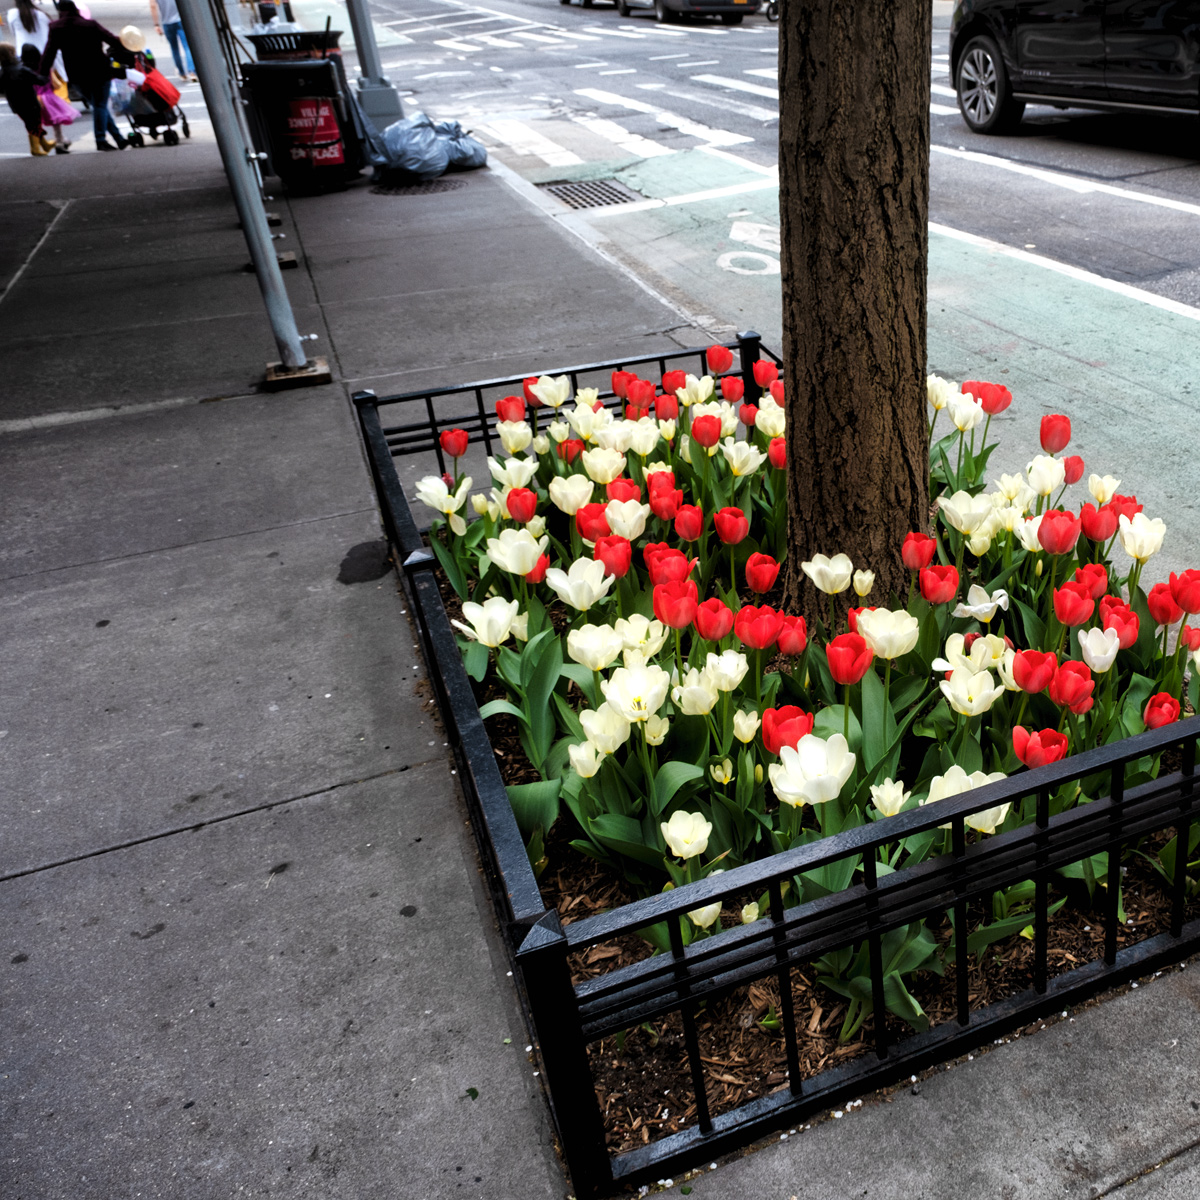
(132, 38)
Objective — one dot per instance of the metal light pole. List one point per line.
(375, 92)
(235, 153)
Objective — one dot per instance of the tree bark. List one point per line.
(854, 199)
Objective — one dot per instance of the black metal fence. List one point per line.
(568, 1017)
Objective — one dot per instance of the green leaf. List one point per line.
(874, 707)
(449, 564)
(492, 707)
(624, 835)
(1035, 627)
(535, 805)
(475, 660)
(670, 778)
(830, 720)
(542, 724)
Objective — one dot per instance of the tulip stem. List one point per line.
(644, 751)
(887, 681)
(846, 712)
(832, 623)
(732, 573)
(596, 692)
(679, 653)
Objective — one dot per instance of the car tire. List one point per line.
(623, 9)
(731, 18)
(662, 14)
(984, 92)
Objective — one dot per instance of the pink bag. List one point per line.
(57, 111)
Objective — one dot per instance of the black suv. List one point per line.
(1140, 55)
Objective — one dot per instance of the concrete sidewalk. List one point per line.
(247, 947)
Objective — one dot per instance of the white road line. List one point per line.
(708, 62)
(621, 71)
(738, 85)
(660, 57)
(938, 90)
(469, 21)
(661, 32)
(462, 47)
(943, 110)
(519, 137)
(1071, 182)
(725, 104)
(713, 137)
(614, 32)
(714, 32)
(579, 37)
(537, 37)
(734, 189)
(645, 87)
(489, 39)
(765, 72)
(1038, 260)
(631, 143)
(739, 161)
(588, 66)
(442, 74)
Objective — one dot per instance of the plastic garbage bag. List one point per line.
(414, 148)
(465, 152)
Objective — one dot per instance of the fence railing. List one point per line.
(566, 1017)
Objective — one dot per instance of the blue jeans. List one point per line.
(102, 119)
(177, 38)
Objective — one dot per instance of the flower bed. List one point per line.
(816, 801)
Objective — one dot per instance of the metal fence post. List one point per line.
(542, 958)
(749, 344)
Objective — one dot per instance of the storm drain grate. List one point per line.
(419, 189)
(591, 193)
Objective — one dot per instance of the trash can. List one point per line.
(300, 113)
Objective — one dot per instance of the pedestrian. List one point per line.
(20, 86)
(165, 15)
(89, 66)
(55, 110)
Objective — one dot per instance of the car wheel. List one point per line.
(662, 14)
(984, 94)
(622, 8)
(731, 18)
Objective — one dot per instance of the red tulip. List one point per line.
(761, 572)
(757, 627)
(615, 553)
(660, 479)
(591, 522)
(666, 408)
(1125, 506)
(720, 359)
(938, 584)
(539, 570)
(1032, 670)
(1189, 637)
(731, 525)
(993, 397)
(1074, 468)
(527, 387)
(1072, 686)
(765, 372)
(785, 727)
(1094, 577)
(666, 565)
(454, 442)
(1055, 432)
(918, 550)
(793, 636)
(1038, 749)
(777, 453)
(1116, 614)
(1161, 710)
(777, 391)
(664, 503)
(732, 388)
(1162, 605)
(689, 522)
(522, 504)
(1073, 603)
(1098, 524)
(713, 620)
(1058, 532)
(672, 380)
(448, 479)
(675, 603)
(570, 449)
(1185, 590)
(706, 430)
(624, 489)
(620, 382)
(510, 408)
(640, 393)
(849, 657)
(747, 414)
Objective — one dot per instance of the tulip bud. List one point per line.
(758, 773)
(750, 913)
(864, 581)
(1055, 432)
(719, 358)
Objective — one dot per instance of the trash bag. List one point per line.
(414, 149)
(465, 152)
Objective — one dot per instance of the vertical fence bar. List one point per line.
(787, 1005)
(1183, 835)
(879, 1005)
(483, 420)
(961, 979)
(1112, 901)
(687, 1013)
(433, 433)
(542, 959)
(1041, 905)
(749, 344)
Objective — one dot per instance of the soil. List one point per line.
(643, 1083)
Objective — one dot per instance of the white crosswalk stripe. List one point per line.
(764, 72)
(539, 37)
(461, 47)
(519, 137)
(737, 85)
(711, 137)
(631, 143)
(939, 90)
(490, 39)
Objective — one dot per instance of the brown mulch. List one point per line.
(644, 1085)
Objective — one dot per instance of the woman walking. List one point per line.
(82, 43)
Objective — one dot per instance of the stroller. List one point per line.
(152, 104)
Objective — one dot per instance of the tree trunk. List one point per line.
(854, 199)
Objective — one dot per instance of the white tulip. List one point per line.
(966, 412)
(1005, 670)
(750, 913)
(642, 634)
(559, 431)
(938, 391)
(964, 512)
(585, 759)
(1141, 538)
(864, 581)
(686, 834)
(889, 797)
(667, 430)
(618, 436)
(596, 647)
(1015, 491)
(626, 518)
(694, 391)
(520, 627)
(636, 693)
(433, 491)
(770, 420)
(1099, 648)
(490, 622)
(515, 436)
(1103, 489)
(813, 772)
(582, 585)
(541, 444)
(980, 605)
(696, 694)
(569, 493)
(829, 575)
(745, 725)
(722, 772)
(603, 466)
(970, 693)
(516, 550)
(605, 728)
(1027, 534)
(955, 782)
(554, 392)
(513, 472)
(743, 458)
(889, 634)
(702, 918)
(727, 669)
(655, 729)
(1046, 474)
(645, 436)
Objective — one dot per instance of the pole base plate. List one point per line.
(279, 377)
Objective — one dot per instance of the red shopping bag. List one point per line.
(161, 86)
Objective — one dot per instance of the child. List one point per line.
(20, 85)
(55, 111)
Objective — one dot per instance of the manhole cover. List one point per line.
(591, 193)
(419, 189)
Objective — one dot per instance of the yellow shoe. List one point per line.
(48, 144)
(35, 146)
